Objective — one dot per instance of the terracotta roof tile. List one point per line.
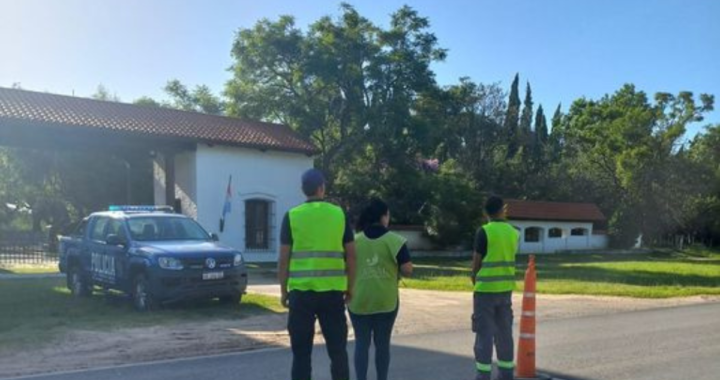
(537, 210)
(152, 121)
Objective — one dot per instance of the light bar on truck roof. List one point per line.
(141, 208)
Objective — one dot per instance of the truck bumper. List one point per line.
(169, 286)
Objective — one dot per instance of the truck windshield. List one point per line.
(164, 228)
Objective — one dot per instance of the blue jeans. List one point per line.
(378, 328)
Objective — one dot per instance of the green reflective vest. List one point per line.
(497, 273)
(376, 282)
(317, 259)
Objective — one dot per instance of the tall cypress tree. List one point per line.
(555, 133)
(526, 118)
(541, 130)
(510, 126)
(557, 118)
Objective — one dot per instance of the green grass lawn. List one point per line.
(29, 268)
(654, 275)
(33, 311)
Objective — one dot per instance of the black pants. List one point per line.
(329, 308)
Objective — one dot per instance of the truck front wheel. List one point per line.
(143, 299)
(77, 284)
(232, 299)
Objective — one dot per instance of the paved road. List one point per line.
(678, 343)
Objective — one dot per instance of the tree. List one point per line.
(347, 84)
(525, 134)
(512, 117)
(147, 101)
(557, 118)
(541, 130)
(624, 155)
(102, 93)
(200, 99)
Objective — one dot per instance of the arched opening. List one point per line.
(579, 232)
(258, 224)
(533, 235)
(555, 233)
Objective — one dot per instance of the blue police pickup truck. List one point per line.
(153, 255)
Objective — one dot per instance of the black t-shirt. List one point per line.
(481, 242)
(286, 231)
(376, 231)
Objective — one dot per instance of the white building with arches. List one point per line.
(549, 227)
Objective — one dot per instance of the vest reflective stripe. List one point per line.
(317, 259)
(482, 367)
(317, 273)
(506, 365)
(496, 278)
(318, 255)
(499, 264)
(497, 272)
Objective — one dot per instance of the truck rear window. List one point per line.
(164, 228)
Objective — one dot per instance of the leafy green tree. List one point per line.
(102, 93)
(199, 99)
(147, 101)
(345, 83)
(624, 151)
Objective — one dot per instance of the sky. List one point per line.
(567, 49)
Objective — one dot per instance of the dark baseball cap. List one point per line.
(312, 180)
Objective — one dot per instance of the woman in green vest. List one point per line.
(381, 257)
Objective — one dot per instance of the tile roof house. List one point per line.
(197, 157)
(547, 227)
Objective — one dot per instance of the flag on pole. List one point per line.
(227, 207)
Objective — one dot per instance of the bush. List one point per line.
(455, 207)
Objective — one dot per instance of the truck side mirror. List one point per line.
(214, 237)
(114, 240)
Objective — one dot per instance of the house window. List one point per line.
(555, 233)
(532, 234)
(578, 232)
(257, 224)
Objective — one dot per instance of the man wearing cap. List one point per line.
(493, 276)
(316, 270)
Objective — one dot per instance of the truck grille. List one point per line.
(199, 263)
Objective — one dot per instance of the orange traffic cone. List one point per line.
(526, 344)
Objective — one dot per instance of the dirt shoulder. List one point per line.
(421, 311)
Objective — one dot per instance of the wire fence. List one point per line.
(25, 248)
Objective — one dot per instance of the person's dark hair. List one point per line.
(371, 214)
(312, 181)
(494, 205)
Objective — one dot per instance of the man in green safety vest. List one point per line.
(493, 275)
(316, 270)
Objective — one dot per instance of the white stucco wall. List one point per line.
(566, 242)
(416, 240)
(185, 182)
(271, 176)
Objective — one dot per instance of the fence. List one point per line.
(25, 248)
